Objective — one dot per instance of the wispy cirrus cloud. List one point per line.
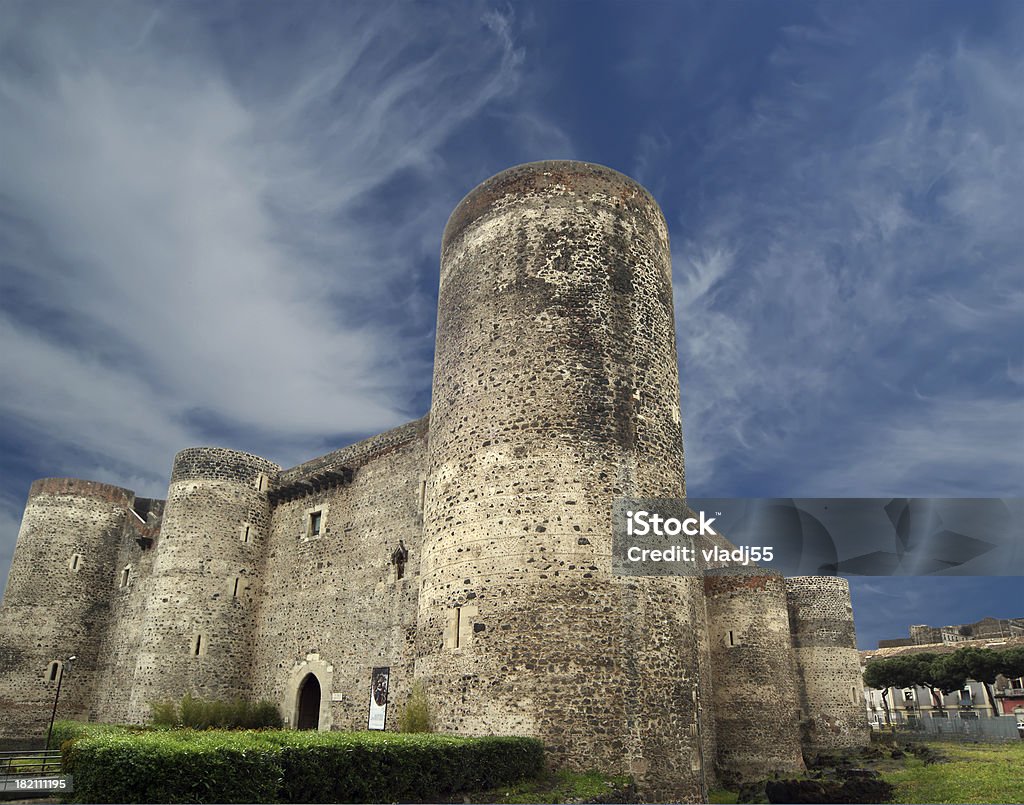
(861, 336)
(217, 242)
(220, 224)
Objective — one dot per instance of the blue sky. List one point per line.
(220, 224)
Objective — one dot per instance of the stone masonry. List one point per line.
(470, 549)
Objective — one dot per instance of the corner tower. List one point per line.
(752, 665)
(827, 663)
(556, 390)
(56, 604)
(198, 633)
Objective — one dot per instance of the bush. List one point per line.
(164, 714)
(64, 731)
(201, 714)
(378, 767)
(415, 717)
(174, 767)
(114, 764)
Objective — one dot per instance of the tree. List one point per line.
(924, 666)
(1011, 662)
(947, 674)
(890, 672)
(980, 664)
(878, 675)
(416, 716)
(944, 673)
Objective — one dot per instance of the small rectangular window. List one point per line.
(76, 562)
(732, 638)
(262, 482)
(451, 635)
(315, 521)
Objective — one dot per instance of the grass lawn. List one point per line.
(975, 773)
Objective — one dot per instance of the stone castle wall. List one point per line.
(827, 662)
(119, 650)
(556, 390)
(752, 666)
(205, 583)
(335, 599)
(57, 601)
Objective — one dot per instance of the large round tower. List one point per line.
(57, 600)
(827, 663)
(198, 633)
(556, 390)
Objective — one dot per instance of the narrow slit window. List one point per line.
(262, 482)
(126, 576)
(234, 591)
(198, 647)
(246, 533)
(315, 522)
(732, 638)
(423, 493)
(53, 671)
(76, 562)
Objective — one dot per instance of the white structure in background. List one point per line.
(906, 705)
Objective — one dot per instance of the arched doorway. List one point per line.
(308, 717)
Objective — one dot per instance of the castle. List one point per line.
(470, 549)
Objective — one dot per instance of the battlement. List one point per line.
(552, 178)
(82, 488)
(219, 464)
(358, 453)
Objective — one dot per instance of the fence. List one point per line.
(30, 764)
(964, 729)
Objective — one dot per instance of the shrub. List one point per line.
(115, 764)
(201, 714)
(415, 717)
(174, 767)
(164, 714)
(381, 767)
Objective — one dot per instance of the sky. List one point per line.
(220, 225)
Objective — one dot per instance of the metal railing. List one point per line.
(30, 764)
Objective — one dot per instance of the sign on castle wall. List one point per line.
(379, 697)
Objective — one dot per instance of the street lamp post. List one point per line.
(56, 697)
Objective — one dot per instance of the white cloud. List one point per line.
(203, 242)
(861, 257)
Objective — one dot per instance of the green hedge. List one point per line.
(116, 765)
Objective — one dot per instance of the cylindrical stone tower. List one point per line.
(828, 665)
(57, 598)
(757, 704)
(198, 633)
(555, 390)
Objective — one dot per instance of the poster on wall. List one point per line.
(379, 697)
